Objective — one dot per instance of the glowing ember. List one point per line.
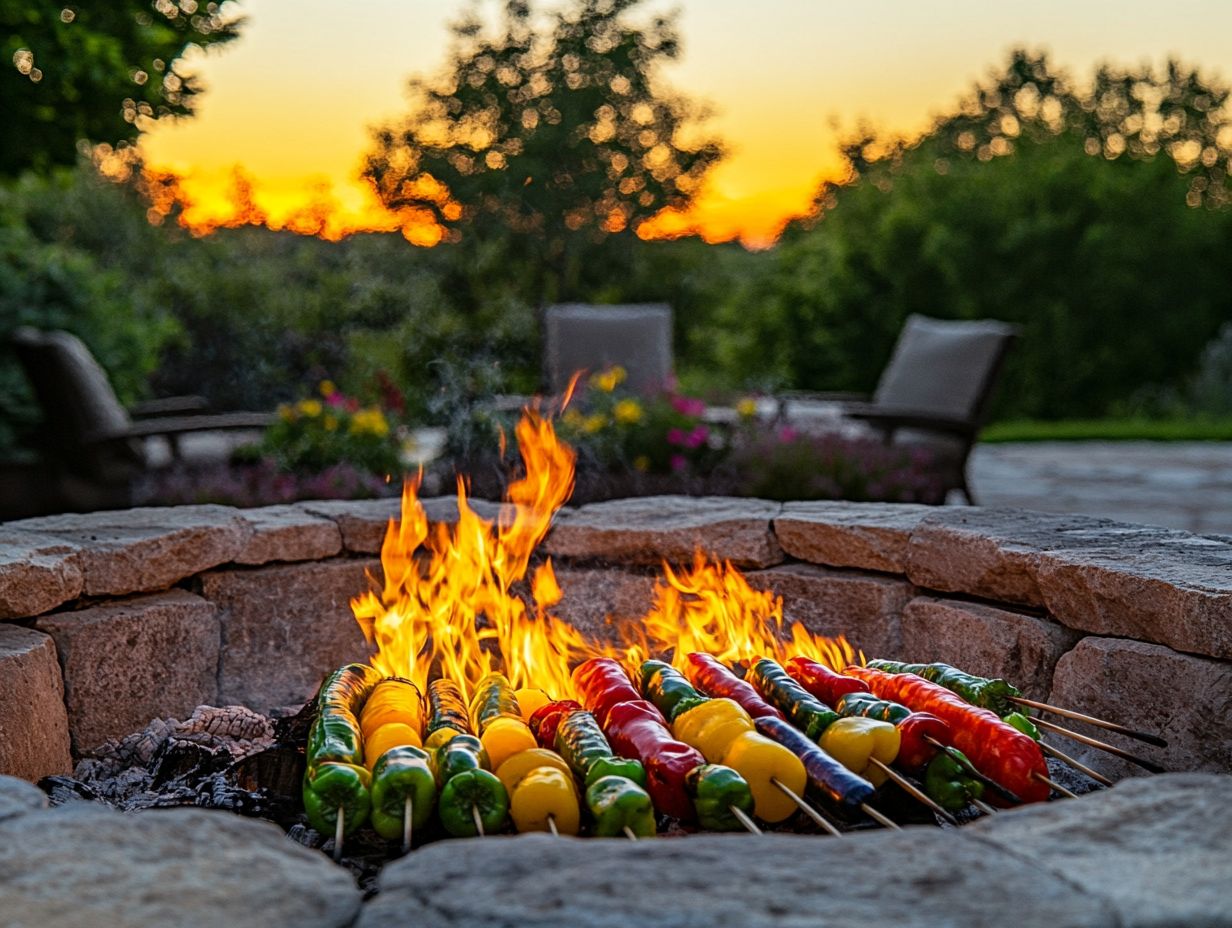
(448, 605)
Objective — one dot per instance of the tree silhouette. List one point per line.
(99, 72)
(561, 136)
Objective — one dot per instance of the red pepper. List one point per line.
(547, 718)
(998, 750)
(713, 679)
(603, 683)
(636, 729)
(822, 682)
(913, 751)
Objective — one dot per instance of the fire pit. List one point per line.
(118, 624)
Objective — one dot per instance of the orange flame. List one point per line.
(454, 603)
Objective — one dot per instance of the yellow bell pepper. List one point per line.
(712, 726)
(530, 699)
(392, 700)
(505, 737)
(543, 793)
(762, 761)
(853, 741)
(393, 735)
(519, 765)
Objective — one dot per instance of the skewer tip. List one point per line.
(339, 831)
(478, 821)
(630, 834)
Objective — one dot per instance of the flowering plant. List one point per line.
(314, 434)
(663, 434)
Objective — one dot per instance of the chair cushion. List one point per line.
(586, 337)
(943, 367)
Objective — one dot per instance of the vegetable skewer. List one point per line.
(1102, 745)
(1091, 720)
(1073, 762)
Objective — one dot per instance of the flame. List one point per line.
(711, 607)
(455, 601)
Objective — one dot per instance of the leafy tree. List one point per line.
(99, 72)
(1096, 218)
(563, 137)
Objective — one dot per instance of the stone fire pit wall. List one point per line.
(111, 619)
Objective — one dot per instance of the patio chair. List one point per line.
(90, 443)
(934, 393)
(579, 336)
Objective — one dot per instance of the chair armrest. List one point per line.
(180, 425)
(168, 406)
(892, 418)
(822, 396)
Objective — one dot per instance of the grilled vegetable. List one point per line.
(335, 736)
(587, 752)
(392, 701)
(667, 688)
(616, 803)
(347, 688)
(713, 679)
(856, 742)
(761, 762)
(446, 713)
(1023, 723)
(463, 752)
(603, 683)
(914, 728)
(511, 772)
(545, 793)
(493, 699)
(393, 735)
(504, 737)
(329, 786)
(827, 775)
(948, 783)
(997, 750)
(714, 790)
(803, 709)
(530, 700)
(402, 773)
(469, 790)
(827, 685)
(987, 693)
(712, 726)
(636, 729)
(546, 719)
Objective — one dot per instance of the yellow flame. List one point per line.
(454, 603)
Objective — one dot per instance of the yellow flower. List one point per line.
(610, 379)
(592, 424)
(310, 408)
(330, 421)
(747, 408)
(370, 421)
(642, 463)
(573, 418)
(286, 413)
(627, 411)
(327, 388)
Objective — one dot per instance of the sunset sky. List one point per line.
(292, 100)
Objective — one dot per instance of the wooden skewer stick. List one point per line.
(407, 823)
(983, 807)
(1073, 762)
(629, 833)
(478, 820)
(807, 809)
(552, 826)
(1055, 785)
(1090, 720)
(339, 830)
(966, 764)
(742, 817)
(912, 790)
(1102, 745)
(878, 817)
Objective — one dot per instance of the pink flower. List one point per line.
(335, 399)
(679, 462)
(676, 437)
(787, 434)
(697, 437)
(688, 406)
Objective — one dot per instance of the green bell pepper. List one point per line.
(458, 754)
(585, 748)
(615, 804)
(1023, 723)
(473, 789)
(331, 786)
(949, 784)
(401, 774)
(715, 789)
(668, 689)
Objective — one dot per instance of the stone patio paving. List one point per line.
(1184, 485)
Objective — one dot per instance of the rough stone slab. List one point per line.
(863, 608)
(288, 533)
(284, 627)
(37, 573)
(17, 797)
(593, 595)
(651, 529)
(871, 536)
(33, 722)
(1185, 699)
(1175, 590)
(985, 640)
(922, 877)
(363, 522)
(1158, 850)
(138, 550)
(134, 660)
(84, 865)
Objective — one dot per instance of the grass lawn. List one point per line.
(1110, 430)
